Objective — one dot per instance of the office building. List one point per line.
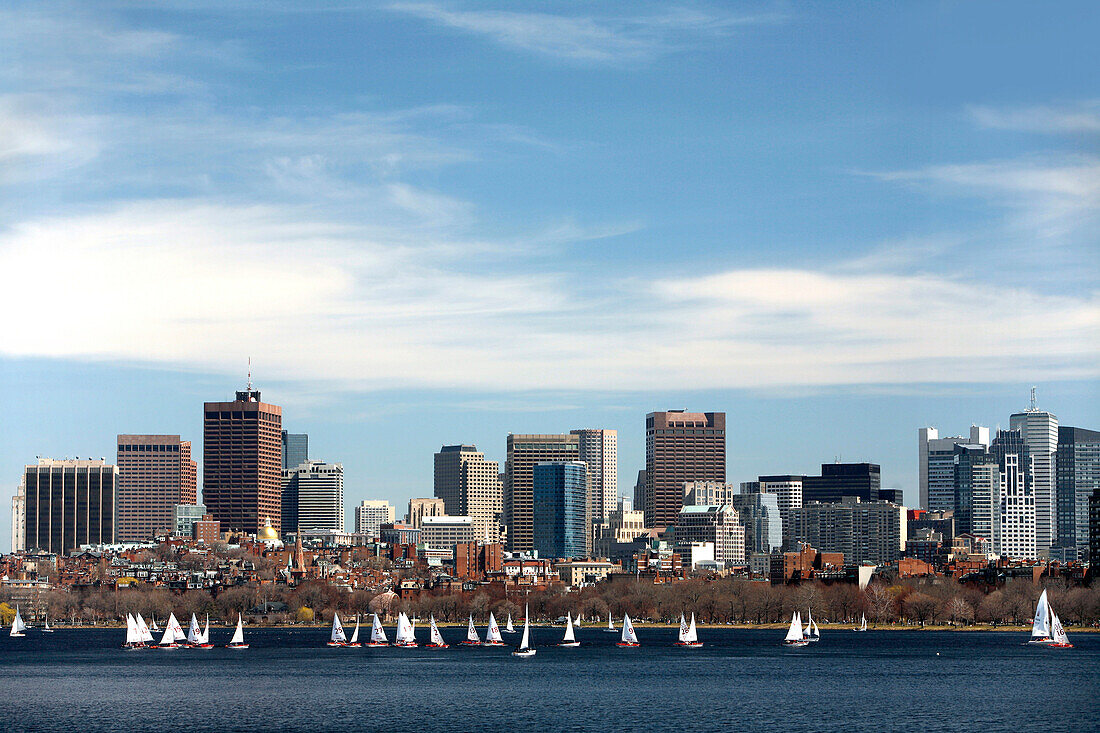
(1014, 524)
(599, 449)
(1077, 477)
(185, 515)
(63, 504)
(719, 526)
(942, 523)
(977, 490)
(865, 532)
(639, 491)
(242, 473)
(446, 531)
(155, 473)
(1094, 532)
(424, 507)
(524, 451)
(763, 524)
(936, 478)
(372, 514)
(313, 498)
(838, 480)
(680, 446)
(399, 533)
(206, 530)
(295, 449)
(622, 527)
(470, 486)
(1039, 429)
(788, 494)
(708, 493)
(560, 518)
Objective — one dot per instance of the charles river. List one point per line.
(80, 680)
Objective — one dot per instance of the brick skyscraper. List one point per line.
(680, 446)
(242, 462)
(155, 472)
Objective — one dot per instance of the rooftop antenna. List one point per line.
(250, 379)
(1033, 407)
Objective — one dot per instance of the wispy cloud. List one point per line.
(589, 38)
(1081, 117)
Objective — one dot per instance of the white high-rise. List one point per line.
(313, 497)
(1039, 430)
(372, 514)
(937, 466)
(1015, 529)
(600, 450)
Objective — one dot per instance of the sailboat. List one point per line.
(610, 625)
(354, 640)
(144, 634)
(577, 621)
(377, 634)
(46, 628)
(863, 624)
(1040, 625)
(689, 637)
(133, 636)
(508, 627)
(524, 649)
(472, 639)
(173, 634)
(811, 632)
(237, 642)
(194, 636)
(17, 625)
(492, 632)
(153, 626)
(794, 633)
(406, 634)
(1061, 641)
(629, 638)
(436, 638)
(337, 638)
(204, 638)
(570, 637)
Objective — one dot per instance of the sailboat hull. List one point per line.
(469, 643)
(377, 644)
(236, 646)
(803, 642)
(436, 646)
(523, 653)
(353, 645)
(200, 646)
(336, 643)
(627, 643)
(690, 644)
(407, 644)
(493, 643)
(570, 643)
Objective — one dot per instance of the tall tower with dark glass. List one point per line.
(295, 450)
(560, 494)
(242, 472)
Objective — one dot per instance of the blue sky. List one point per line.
(434, 222)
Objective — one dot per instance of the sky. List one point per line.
(428, 223)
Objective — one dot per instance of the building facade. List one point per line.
(1014, 524)
(155, 473)
(788, 494)
(446, 531)
(599, 449)
(183, 516)
(709, 493)
(719, 526)
(622, 527)
(936, 477)
(313, 498)
(560, 518)
(865, 532)
(763, 524)
(295, 449)
(470, 486)
(424, 507)
(680, 446)
(977, 490)
(372, 514)
(62, 504)
(1039, 430)
(242, 475)
(838, 480)
(524, 452)
(1077, 478)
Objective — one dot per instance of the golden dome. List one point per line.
(267, 533)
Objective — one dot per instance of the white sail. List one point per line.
(17, 625)
(692, 634)
(177, 630)
(492, 634)
(569, 635)
(238, 635)
(610, 624)
(525, 642)
(794, 633)
(143, 629)
(471, 632)
(436, 637)
(337, 630)
(1040, 626)
(153, 626)
(507, 628)
(816, 631)
(863, 623)
(683, 628)
(405, 632)
(46, 626)
(206, 631)
(809, 622)
(194, 636)
(629, 637)
(170, 627)
(1059, 633)
(355, 632)
(132, 635)
(377, 633)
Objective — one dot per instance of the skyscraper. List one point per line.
(425, 507)
(295, 449)
(372, 514)
(936, 477)
(1039, 429)
(313, 497)
(680, 446)
(720, 525)
(1077, 477)
(63, 504)
(599, 449)
(470, 486)
(1014, 525)
(524, 451)
(559, 522)
(872, 531)
(788, 494)
(759, 513)
(242, 462)
(977, 490)
(838, 480)
(155, 473)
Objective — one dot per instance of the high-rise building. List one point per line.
(977, 490)
(524, 451)
(709, 493)
(621, 528)
(313, 497)
(1094, 530)
(1077, 477)
(424, 507)
(242, 472)
(560, 516)
(445, 531)
(759, 514)
(866, 532)
(788, 494)
(185, 515)
(599, 449)
(838, 480)
(470, 486)
(936, 477)
(63, 504)
(639, 491)
(295, 449)
(155, 473)
(719, 525)
(1039, 429)
(680, 446)
(372, 514)
(1014, 525)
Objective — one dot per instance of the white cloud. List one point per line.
(1082, 117)
(202, 286)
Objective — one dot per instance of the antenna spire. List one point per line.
(1034, 405)
(250, 379)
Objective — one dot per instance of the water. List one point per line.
(79, 680)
